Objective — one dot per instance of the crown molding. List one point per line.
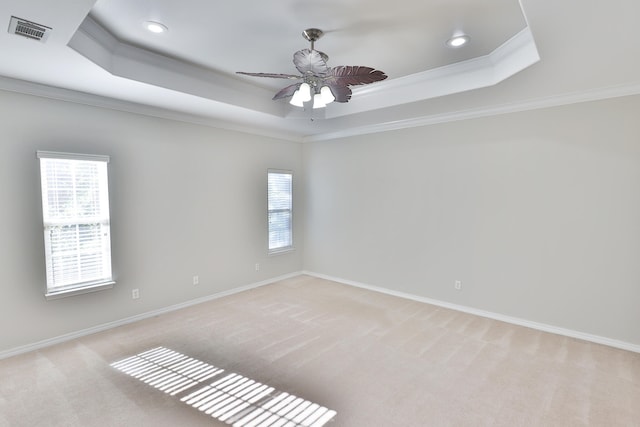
(515, 55)
(96, 43)
(99, 46)
(83, 98)
(486, 111)
(45, 91)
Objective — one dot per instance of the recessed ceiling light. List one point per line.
(458, 41)
(155, 27)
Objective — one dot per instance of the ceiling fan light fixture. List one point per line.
(305, 92)
(155, 27)
(318, 102)
(327, 95)
(458, 41)
(296, 99)
(327, 84)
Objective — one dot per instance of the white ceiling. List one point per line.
(523, 54)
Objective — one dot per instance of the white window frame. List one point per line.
(81, 285)
(290, 246)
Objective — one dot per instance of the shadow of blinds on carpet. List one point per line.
(228, 397)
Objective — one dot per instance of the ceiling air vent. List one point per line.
(28, 29)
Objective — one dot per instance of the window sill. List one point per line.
(281, 251)
(80, 290)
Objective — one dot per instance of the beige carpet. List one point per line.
(376, 360)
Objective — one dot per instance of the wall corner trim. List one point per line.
(623, 345)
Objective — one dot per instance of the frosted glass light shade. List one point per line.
(318, 102)
(305, 92)
(327, 95)
(296, 99)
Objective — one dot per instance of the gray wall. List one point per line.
(537, 213)
(185, 200)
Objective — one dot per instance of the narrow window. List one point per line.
(279, 190)
(75, 213)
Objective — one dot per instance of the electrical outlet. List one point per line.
(196, 280)
(135, 293)
(257, 266)
(458, 285)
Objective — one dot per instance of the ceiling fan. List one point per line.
(318, 81)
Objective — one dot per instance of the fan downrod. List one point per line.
(312, 35)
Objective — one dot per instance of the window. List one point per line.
(279, 191)
(75, 214)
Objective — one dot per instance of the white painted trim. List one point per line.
(84, 332)
(44, 91)
(464, 309)
(488, 111)
(488, 314)
(69, 95)
(41, 154)
(98, 45)
(515, 55)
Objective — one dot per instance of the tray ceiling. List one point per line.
(519, 56)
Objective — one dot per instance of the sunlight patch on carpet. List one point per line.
(167, 370)
(231, 398)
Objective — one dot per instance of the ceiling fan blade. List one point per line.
(272, 75)
(340, 92)
(356, 75)
(312, 62)
(287, 91)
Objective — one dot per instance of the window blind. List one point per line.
(280, 201)
(75, 211)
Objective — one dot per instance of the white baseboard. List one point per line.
(81, 333)
(496, 316)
